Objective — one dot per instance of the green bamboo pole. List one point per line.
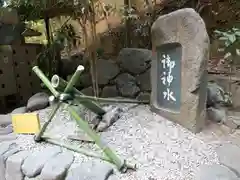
(38, 137)
(86, 152)
(45, 80)
(109, 153)
(72, 81)
(60, 84)
(81, 98)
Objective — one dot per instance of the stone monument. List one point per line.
(179, 68)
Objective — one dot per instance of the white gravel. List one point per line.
(161, 149)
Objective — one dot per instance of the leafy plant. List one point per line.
(231, 43)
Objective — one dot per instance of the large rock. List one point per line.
(229, 156)
(143, 96)
(215, 172)
(56, 168)
(106, 70)
(37, 102)
(13, 166)
(87, 171)
(34, 163)
(144, 81)
(182, 35)
(134, 60)
(126, 85)
(109, 91)
(217, 114)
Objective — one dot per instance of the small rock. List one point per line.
(8, 137)
(144, 81)
(56, 168)
(143, 96)
(109, 91)
(6, 130)
(87, 171)
(34, 163)
(20, 110)
(216, 172)
(3, 158)
(5, 120)
(126, 85)
(229, 156)
(217, 114)
(13, 166)
(110, 117)
(37, 102)
(106, 70)
(135, 60)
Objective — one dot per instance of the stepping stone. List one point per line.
(229, 155)
(3, 158)
(13, 166)
(216, 172)
(87, 171)
(34, 163)
(56, 168)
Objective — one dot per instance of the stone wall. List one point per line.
(127, 76)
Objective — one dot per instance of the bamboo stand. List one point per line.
(69, 95)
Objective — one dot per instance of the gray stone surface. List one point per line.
(5, 146)
(144, 81)
(215, 172)
(3, 157)
(134, 60)
(216, 114)
(87, 171)
(229, 156)
(6, 130)
(5, 120)
(109, 91)
(88, 91)
(37, 102)
(34, 163)
(13, 166)
(110, 117)
(184, 26)
(34, 178)
(144, 96)
(19, 110)
(8, 137)
(106, 70)
(126, 85)
(56, 168)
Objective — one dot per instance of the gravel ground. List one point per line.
(162, 150)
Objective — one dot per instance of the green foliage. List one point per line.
(231, 39)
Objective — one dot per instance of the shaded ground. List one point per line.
(161, 149)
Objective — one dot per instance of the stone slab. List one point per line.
(3, 158)
(34, 163)
(88, 171)
(13, 166)
(215, 172)
(229, 156)
(56, 168)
